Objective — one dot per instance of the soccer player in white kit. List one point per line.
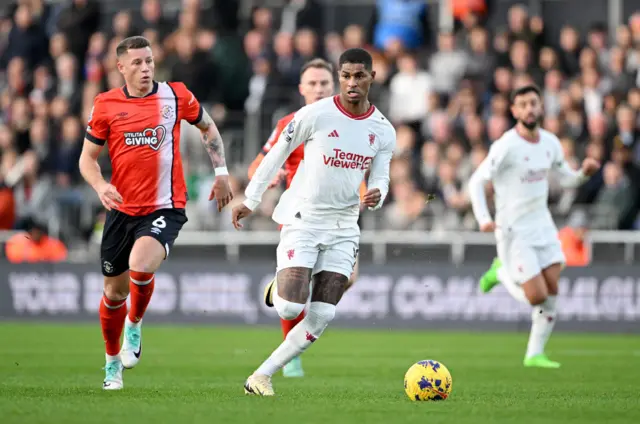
(528, 247)
(343, 136)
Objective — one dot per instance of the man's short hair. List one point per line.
(357, 55)
(132, 43)
(525, 89)
(317, 63)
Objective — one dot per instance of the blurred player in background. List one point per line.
(529, 251)
(316, 83)
(343, 137)
(145, 200)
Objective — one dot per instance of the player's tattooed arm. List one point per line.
(212, 140)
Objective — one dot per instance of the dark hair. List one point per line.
(598, 27)
(317, 63)
(526, 89)
(356, 55)
(132, 43)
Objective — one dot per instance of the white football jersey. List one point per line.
(519, 172)
(338, 150)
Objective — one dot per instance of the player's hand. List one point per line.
(239, 212)
(372, 197)
(221, 191)
(590, 166)
(109, 196)
(280, 176)
(489, 227)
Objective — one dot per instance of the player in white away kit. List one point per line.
(518, 165)
(343, 136)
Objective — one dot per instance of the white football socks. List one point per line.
(300, 337)
(514, 289)
(543, 318)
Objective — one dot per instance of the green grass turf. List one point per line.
(52, 374)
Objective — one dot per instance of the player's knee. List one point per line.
(320, 314)
(146, 263)
(116, 288)
(286, 309)
(537, 297)
(147, 255)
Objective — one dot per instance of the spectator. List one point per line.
(481, 60)
(77, 22)
(403, 21)
(570, 50)
(573, 237)
(27, 40)
(151, 16)
(302, 14)
(34, 246)
(193, 68)
(410, 89)
(447, 65)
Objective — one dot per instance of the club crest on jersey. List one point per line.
(152, 137)
(288, 136)
(167, 112)
(372, 139)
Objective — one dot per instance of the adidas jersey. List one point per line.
(292, 162)
(519, 169)
(339, 147)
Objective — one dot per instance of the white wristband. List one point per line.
(221, 171)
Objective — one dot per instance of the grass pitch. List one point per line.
(52, 374)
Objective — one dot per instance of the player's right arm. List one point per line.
(265, 149)
(94, 140)
(486, 172)
(296, 132)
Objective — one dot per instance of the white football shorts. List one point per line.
(523, 261)
(332, 250)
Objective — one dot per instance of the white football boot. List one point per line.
(259, 385)
(132, 344)
(113, 375)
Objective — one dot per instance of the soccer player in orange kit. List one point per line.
(146, 197)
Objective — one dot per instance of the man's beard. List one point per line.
(530, 125)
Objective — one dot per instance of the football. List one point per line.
(428, 380)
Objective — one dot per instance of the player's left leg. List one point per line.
(327, 290)
(155, 235)
(544, 317)
(334, 264)
(116, 245)
(524, 267)
(294, 367)
(331, 270)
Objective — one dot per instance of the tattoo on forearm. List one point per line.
(214, 145)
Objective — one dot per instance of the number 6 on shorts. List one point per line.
(159, 222)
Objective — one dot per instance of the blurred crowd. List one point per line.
(447, 93)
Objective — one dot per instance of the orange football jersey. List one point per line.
(143, 138)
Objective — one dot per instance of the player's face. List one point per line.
(355, 82)
(527, 109)
(315, 84)
(137, 67)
